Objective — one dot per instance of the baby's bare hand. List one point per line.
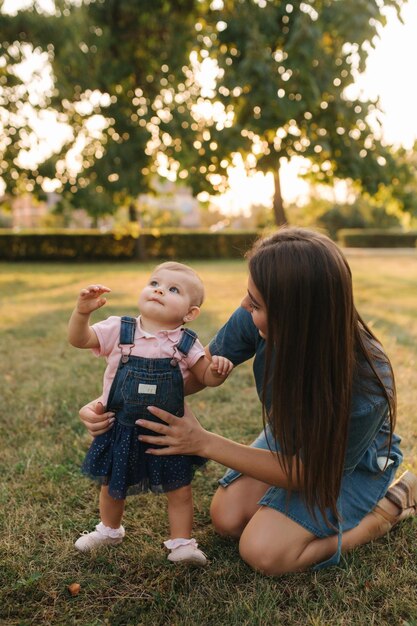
(96, 419)
(90, 298)
(221, 366)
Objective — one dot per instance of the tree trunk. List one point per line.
(278, 203)
(132, 211)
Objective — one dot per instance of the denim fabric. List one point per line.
(239, 340)
(359, 493)
(117, 458)
(364, 483)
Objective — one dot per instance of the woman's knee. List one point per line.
(227, 520)
(262, 559)
(274, 545)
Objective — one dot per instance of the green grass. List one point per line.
(45, 503)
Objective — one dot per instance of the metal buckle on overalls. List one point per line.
(125, 356)
(173, 362)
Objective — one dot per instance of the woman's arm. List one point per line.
(185, 435)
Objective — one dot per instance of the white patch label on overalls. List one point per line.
(144, 388)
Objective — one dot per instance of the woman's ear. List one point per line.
(192, 314)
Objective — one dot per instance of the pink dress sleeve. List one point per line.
(107, 332)
(196, 352)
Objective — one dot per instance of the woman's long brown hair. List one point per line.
(315, 344)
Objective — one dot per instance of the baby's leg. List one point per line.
(111, 510)
(180, 512)
(109, 531)
(183, 548)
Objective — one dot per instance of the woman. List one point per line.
(316, 480)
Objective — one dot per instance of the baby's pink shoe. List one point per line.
(101, 536)
(185, 551)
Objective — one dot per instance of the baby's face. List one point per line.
(167, 298)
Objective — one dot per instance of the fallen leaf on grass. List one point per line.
(74, 589)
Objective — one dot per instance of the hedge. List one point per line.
(376, 238)
(94, 245)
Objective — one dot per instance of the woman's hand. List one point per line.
(185, 435)
(180, 435)
(96, 419)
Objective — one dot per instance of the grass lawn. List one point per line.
(45, 503)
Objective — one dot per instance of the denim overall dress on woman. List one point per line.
(370, 463)
(117, 458)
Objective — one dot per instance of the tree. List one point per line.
(14, 124)
(116, 63)
(282, 89)
(284, 73)
(401, 195)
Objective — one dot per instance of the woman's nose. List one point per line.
(245, 303)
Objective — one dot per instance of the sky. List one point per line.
(388, 76)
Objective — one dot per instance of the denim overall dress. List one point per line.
(117, 458)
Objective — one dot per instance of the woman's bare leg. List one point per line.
(274, 544)
(233, 507)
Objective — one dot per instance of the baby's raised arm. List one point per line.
(214, 372)
(80, 334)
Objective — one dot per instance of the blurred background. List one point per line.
(230, 114)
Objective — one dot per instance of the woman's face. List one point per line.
(253, 302)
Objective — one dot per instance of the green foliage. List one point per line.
(123, 245)
(61, 245)
(159, 218)
(285, 68)
(5, 219)
(376, 238)
(403, 189)
(357, 215)
(361, 212)
(199, 245)
(113, 59)
(284, 72)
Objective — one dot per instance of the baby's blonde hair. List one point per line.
(197, 283)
